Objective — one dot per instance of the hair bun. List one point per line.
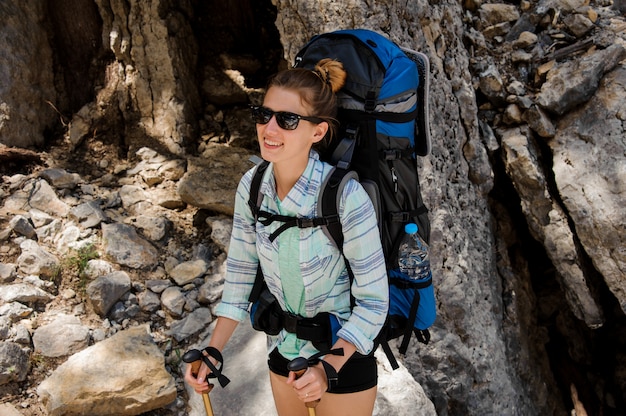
(332, 73)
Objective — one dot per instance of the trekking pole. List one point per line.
(299, 366)
(195, 358)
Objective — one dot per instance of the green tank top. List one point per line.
(291, 280)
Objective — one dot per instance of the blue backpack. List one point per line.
(383, 114)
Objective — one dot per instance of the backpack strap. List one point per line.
(254, 202)
(328, 203)
(255, 198)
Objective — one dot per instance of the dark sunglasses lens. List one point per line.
(261, 115)
(287, 121)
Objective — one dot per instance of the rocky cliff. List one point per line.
(115, 221)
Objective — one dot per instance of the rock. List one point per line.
(525, 40)
(192, 324)
(15, 311)
(398, 392)
(492, 85)
(167, 198)
(7, 272)
(106, 290)
(495, 13)
(211, 290)
(155, 168)
(158, 285)
(113, 379)
(149, 301)
(22, 226)
(209, 182)
(126, 247)
(173, 301)
(43, 198)
(14, 363)
(96, 268)
(221, 230)
(36, 260)
(539, 122)
(24, 293)
(65, 335)
(88, 214)
(60, 178)
(7, 409)
(578, 24)
(39, 218)
(186, 272)
(21, 336)
(131, 195)
(573, 83)
(153, 228)
(512, 114)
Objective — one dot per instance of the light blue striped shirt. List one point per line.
(326, 281)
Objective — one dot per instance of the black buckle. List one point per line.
(306, 222)
(394, 154)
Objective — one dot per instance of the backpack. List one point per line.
(383, 114)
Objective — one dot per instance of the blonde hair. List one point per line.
(332, 73)
(317, 89)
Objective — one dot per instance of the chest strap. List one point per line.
(267, 218)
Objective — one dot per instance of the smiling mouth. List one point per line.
(272, 143)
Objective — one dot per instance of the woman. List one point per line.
(302, 268)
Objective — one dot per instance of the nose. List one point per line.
(272, 125)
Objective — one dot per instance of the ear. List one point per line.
(320, 131)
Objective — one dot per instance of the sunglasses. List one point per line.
(284, 119)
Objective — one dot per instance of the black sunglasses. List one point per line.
(284, 119)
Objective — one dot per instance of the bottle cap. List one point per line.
(410, 228)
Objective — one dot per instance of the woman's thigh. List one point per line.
(360, 403)
(351, 404)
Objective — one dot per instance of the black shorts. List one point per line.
(359, 373)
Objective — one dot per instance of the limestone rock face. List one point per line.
(590, 174)
(155, 60)
(26, 79)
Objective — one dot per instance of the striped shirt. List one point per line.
(323, 270)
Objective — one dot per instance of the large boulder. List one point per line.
(123, 375)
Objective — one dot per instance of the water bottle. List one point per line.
(413, 257)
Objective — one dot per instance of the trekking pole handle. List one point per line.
(194, 358)
(299, 366)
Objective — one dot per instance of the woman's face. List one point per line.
(288, 147)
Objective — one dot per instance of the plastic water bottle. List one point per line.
(413, 257)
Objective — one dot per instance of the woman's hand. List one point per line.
(197, 381)
(311, 385)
